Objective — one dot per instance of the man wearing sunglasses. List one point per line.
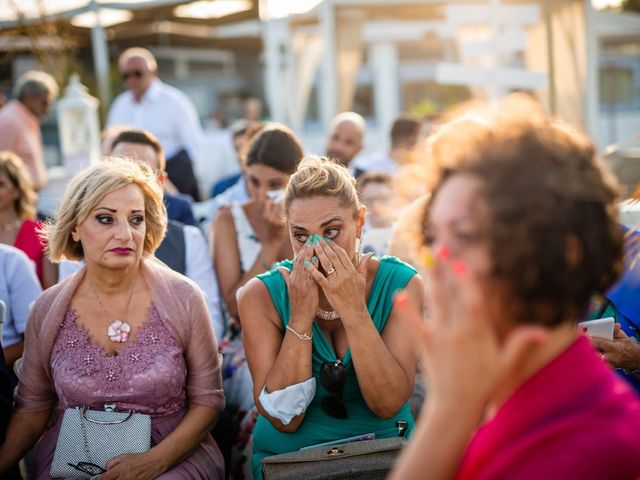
(162, 110)
(34, 93)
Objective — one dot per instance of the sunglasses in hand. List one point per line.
(332, 378)
(88, 468)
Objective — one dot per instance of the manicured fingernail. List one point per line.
(401, 300)
(428, 259)
(443, 252)
(314, 260)
(316, 239)
(310, 240)
(306, 263)
(326, 239)
(458, 268)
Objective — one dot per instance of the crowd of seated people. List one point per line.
(312, 304)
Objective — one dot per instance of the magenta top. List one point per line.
(573, 419)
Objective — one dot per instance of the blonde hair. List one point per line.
(16, 171)
(88, 188)
(321, 176)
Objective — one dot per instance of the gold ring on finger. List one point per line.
(330, 271)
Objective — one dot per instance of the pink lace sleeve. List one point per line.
(204, 380)
(35, 391)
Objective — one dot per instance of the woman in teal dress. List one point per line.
(329, 354)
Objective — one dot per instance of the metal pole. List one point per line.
(548, 15)
(591, 99)
(101, 60)
(329, 85)
(495, 92)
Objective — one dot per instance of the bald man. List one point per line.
(346, 137)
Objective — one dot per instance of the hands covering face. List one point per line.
(343, 283)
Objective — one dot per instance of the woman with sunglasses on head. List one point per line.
(522, 230)
(328, 354)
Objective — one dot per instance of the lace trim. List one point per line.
(89, 358)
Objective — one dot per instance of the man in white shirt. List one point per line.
(162, 110)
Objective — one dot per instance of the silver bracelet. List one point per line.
(301, 336)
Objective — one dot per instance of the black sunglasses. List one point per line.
(133, 73)
(88, 468)
(332, 379)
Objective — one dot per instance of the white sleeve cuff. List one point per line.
(289, 402)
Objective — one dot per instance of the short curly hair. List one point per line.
(88, 188)
(12, 166)
(552, 230)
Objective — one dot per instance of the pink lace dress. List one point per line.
(147, 376)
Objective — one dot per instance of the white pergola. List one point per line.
(559, 41)
(97, 15)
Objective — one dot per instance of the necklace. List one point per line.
(118, 330)
(11, 225)
(330, 315)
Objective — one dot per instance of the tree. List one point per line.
(631, 5)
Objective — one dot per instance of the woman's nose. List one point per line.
(262, 192)
(123, 231)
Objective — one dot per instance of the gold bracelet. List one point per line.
(301, 336)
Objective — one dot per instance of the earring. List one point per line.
(358, 247)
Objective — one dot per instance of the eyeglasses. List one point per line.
(332, 378)
(132, 73)
(88, 468)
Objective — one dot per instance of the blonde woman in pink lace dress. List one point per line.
(125, 329)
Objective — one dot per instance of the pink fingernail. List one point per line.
(401, 300)
(428, 259)
(459, 268)
(443, 252)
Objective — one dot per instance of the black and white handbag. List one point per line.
(88, 439)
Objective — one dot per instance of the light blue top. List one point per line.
(19, 287)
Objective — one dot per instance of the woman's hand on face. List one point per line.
(139, 466)
(303, 290)
(272, 214)
(621, 352)
(463, 358)
(345, 284)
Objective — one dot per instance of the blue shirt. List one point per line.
(19, 287)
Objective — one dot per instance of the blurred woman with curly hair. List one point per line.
(521, 229)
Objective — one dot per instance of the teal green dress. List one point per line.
(318, 427)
